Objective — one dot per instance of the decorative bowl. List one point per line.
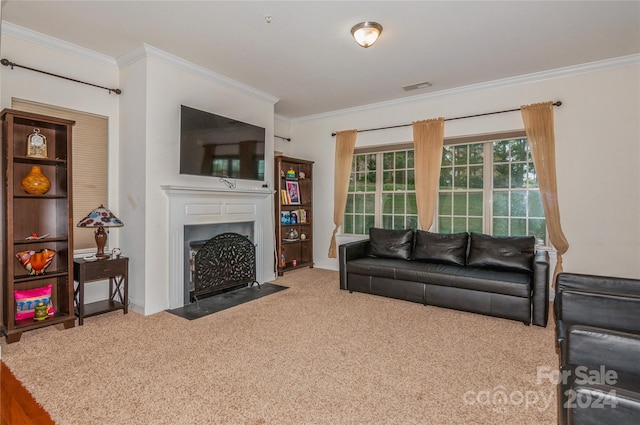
(36, 262)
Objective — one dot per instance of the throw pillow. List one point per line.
(441, 247)
(388, 243)
(27, 299)
(502, 252)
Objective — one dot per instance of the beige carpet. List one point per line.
(311, 354)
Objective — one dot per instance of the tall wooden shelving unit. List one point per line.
(297, 252)
(25, 214)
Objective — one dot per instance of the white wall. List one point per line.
(597, 152)
(168, 83)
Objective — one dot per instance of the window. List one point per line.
(486, 186)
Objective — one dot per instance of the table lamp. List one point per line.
(100, 218)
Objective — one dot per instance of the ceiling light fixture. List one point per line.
(366, 33)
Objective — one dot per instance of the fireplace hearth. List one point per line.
(224, 262)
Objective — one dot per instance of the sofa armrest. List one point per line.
(601, 284)
(350, 251)
(596, 347)
(540, 288)
(602, 404)
(600, 310)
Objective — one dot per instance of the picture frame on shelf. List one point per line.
(293, 189)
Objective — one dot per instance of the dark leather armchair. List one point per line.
(598, 335)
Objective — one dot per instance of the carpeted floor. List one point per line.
(309, 355)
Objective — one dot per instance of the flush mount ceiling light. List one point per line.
(366, 33)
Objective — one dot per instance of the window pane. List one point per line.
(358, 226)
(360, 182)
(444, 225)
(501, 176)
(518, 227)
(412, 207)
(538, 228)
(347, 225)
(387, 177)
(460, 204)
(352, 183)
(460, 155)
(398, 203)
(518, 204)
(387, 203)
(476, 153)
(370, 203)
(360, 162)
(401, 159)
(460, 178)
(501, 204)
(398, 222)
(387, 222)
(475, 225)
(501, 151)
(535, 204)
(518, 172)
(475, 177)
(410, 159)
(501, 227)
(411, 180)
(476, 204)
(401, 180)
(371, 181)
(387, 161)
(459, 224)
(369, 222)
(446, 181)
(532, 177)
(359, 204)
(349, 207)
(412, 222)
(447, 155)
(445, 203)
(518, 151)
(371, 162)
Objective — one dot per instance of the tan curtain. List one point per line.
(345, 143)
(428, 137)
(538, 123)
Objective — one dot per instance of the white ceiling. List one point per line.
(307, 58)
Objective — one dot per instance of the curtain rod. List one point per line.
(7, 62)
(556, 103)
(288, 139)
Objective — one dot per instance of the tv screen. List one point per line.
(217, 146)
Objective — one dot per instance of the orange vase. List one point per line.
(36, 183)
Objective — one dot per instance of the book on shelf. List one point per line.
(298, 216)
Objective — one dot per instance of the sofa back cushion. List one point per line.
(440, 247)
(501, 252)
(388, 243)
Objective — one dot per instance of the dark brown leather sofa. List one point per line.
(496, 276)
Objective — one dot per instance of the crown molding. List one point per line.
(506, 82)
(35, 37)
(147, 51)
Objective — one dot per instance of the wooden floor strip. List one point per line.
(17, 405)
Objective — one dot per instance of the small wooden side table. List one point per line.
(114, 269)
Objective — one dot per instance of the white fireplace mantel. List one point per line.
(197, 205)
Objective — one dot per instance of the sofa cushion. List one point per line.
(440, 247)
(388, 243)
(501, 252)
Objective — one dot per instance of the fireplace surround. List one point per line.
(199, 206)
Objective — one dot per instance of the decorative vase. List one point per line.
(36, 262)
(36, 183)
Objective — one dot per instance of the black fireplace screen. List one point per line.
(225, 261)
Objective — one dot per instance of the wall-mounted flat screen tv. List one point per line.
(217, 146)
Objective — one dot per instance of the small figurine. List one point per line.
(302, 175)
(291, 173)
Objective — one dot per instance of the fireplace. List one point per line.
(198, 214)
(196, 236)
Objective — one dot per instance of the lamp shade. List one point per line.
(366, 33)
(101, 217)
